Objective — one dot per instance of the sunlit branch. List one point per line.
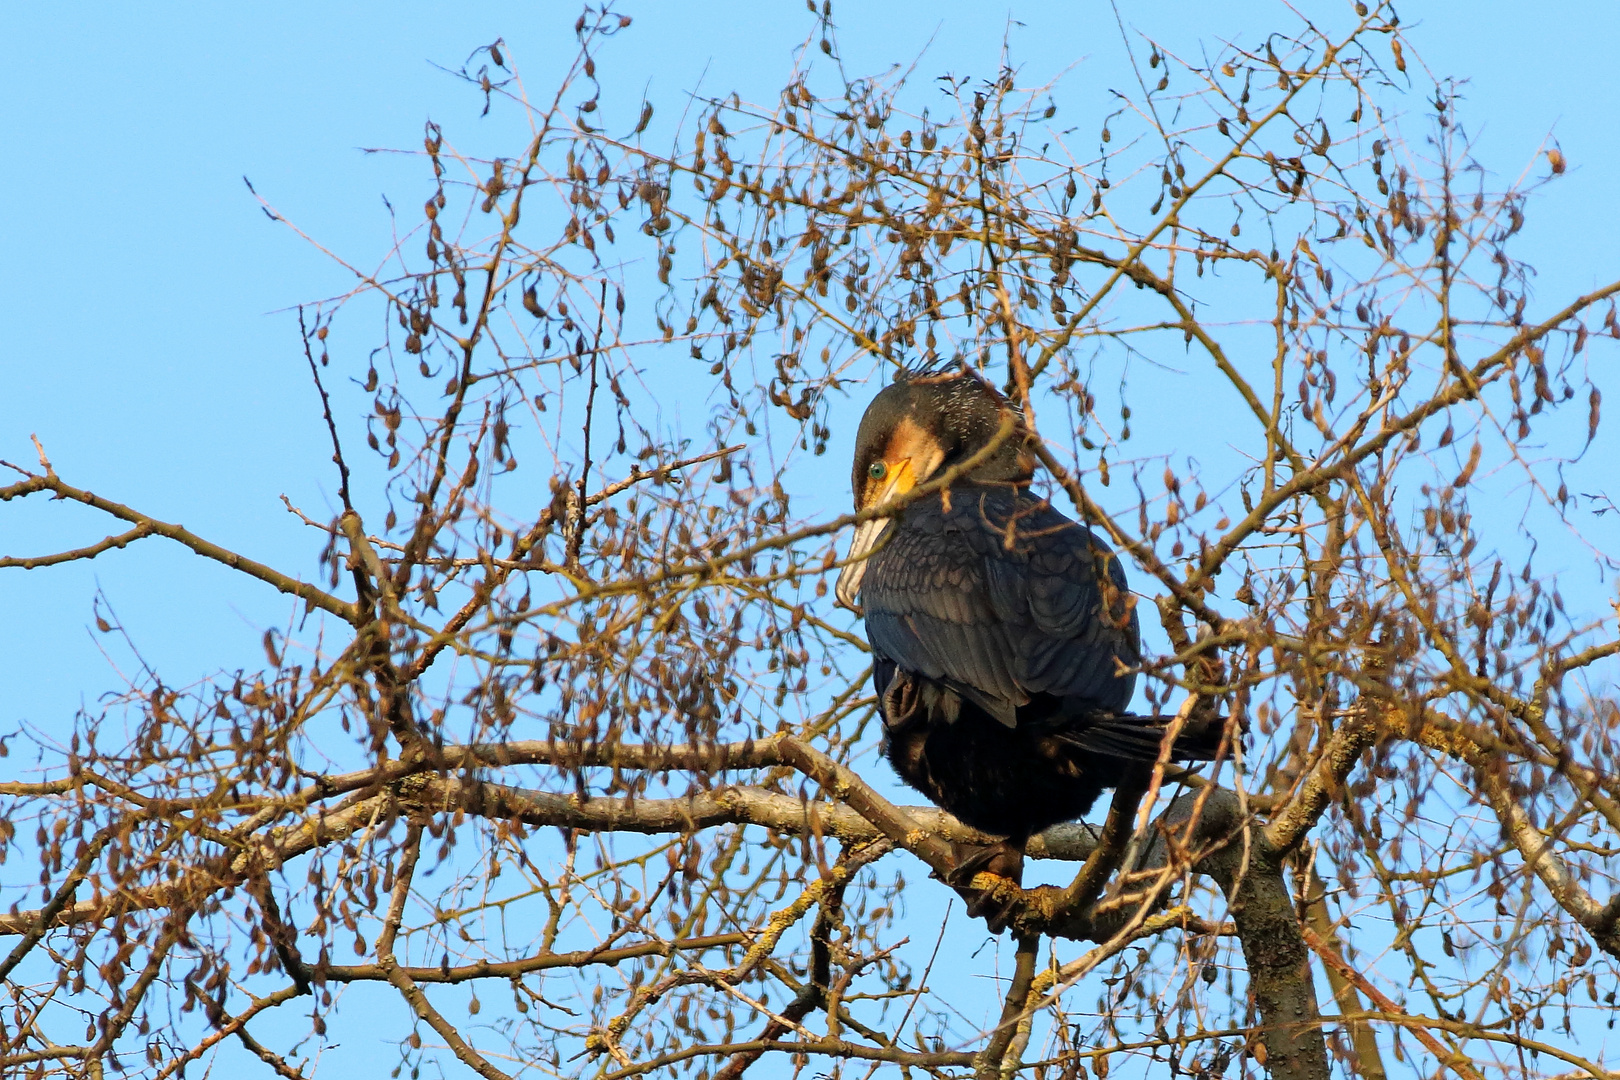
(146, 525)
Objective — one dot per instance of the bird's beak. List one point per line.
(849, 581)
(867, 535)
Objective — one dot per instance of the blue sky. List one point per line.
(144, 335)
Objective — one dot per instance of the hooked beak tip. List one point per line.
(854, 572)
(849, 587)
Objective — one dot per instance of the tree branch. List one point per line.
(1322, 784)
(987, 1065)
(178, 533)
(413, 995)
(724, 806)
(88, 552)
(1280, 979)
(842, 784)
(1368, 1062)
(1440, 732)
(508, 969)
(1450, 1057)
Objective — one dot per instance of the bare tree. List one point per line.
(584, 743)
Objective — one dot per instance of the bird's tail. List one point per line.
(1138, 738)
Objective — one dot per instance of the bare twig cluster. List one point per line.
(583, 743)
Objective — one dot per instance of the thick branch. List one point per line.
(1105, 859)
(1602, 921)
(437, 793)
(1280, 979)
(925, 826)
(988, 1064)
(842, 784)
(1321, 785)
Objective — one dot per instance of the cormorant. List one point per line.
(1004, 639)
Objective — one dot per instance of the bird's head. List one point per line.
(919, 426)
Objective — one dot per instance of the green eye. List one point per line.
(877, 470)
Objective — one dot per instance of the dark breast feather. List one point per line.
(947, 597)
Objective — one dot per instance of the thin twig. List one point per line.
(576, 529)
(89, 552)
(311, 595)
(413, 995)
(326, 411)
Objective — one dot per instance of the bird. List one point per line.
(1005, 642)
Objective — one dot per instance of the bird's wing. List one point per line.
(928, 610)
(950, 598)
(1068, 604)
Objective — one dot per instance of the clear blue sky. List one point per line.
(137, 295)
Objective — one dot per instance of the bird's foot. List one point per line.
(1004, 859)
(989, 879)
(1003, 905)
(997, 905)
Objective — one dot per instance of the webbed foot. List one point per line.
(1004, 860)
